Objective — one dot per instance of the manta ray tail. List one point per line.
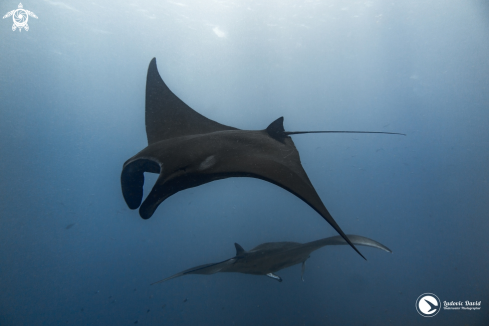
(287, 133)
(276, 130)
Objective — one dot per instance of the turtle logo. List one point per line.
(20, 17)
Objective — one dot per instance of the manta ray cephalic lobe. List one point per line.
(188, 150)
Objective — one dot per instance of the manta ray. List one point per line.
(268, 258)
(187, 150)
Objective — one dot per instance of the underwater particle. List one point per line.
(148, 311)
(163, 306)
(136, 322)
(219, 32)
(185, 300)
(70, 226)
(82, 309)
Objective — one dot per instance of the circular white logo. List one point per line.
(20, 17)
(428, 305)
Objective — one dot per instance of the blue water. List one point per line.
(72, 94)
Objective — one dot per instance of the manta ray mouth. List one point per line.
(132, 179)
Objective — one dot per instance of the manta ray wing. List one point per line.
(292, 253)
(279, 163)
(206, 269)
(169, 117)
(337, 240)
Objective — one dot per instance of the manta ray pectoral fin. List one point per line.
(206, 269)
(275, 277)
(338, 240)
(283, 168)
(167, 116)
(132, 180)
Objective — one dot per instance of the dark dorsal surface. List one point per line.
(275, 246)
(169, 117)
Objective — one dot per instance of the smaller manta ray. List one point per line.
(270, 257)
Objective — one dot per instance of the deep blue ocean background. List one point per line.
(72, 94)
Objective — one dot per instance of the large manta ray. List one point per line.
(268, 258)
(187, 150)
